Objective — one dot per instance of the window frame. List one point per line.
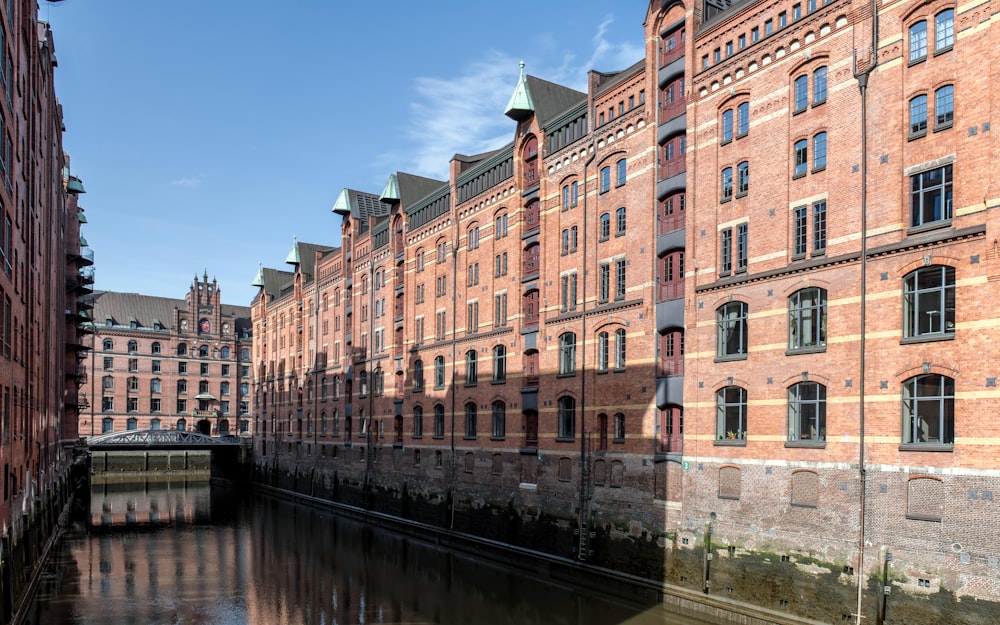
(912, 401)
(928, 189)
(727, 400)
(917, 42)
(567, 354)
(941, 313)
(732, 331)
(807, 408)
(807, 317)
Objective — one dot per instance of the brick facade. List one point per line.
(730, 423)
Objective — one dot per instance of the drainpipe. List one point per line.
(583, 525)
(862, 78)
(454, 333)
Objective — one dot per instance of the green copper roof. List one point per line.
(293, 256)
(81, 217)
(520, 105)
(258, 280)
(343, 204)
(391, 191)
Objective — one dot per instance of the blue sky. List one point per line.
(207, 134)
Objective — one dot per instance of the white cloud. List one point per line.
(464, 113)
(188, 182)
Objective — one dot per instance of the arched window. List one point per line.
(929, 410)
(918, 115)
(499, 419)
(727, 184)
(224, 353)
(131, 423)
(155, 385)
(529, 154)
(621, 172)
(107, 425)
(620, 221)
(181, 424)
(731, 330)
(470, 420)
(322, 389)
(182, 387)
(182, 349)
(620, 349)
(567, 353)
(154, 348)
(567, 417)
(439, 372)
(133, 346)
(438, 420)
(731, 413)
(602, 352)
(108, 345)
(944, 30)
(471, 367)
(918, 41)
(418, 375)
(619, 431)
(604, 232)
(499, 363)
(418, 421)
(807, 412)
(929, 302)
(807, 319)
(336, 387)
(203, 351)
(363, 383)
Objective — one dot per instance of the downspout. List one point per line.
(454, 333)
(584, 473)
(862, 78)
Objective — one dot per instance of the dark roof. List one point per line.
(551, 99)
(307, 256)
(606, 79)
(414, 188)
(147, 310)
(274, 280)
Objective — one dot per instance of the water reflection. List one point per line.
(211, 556)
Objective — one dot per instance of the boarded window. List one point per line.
(470, 462)
(497, 464)
(924, 497)
(617, 473)
(805, 489)
(729, 483)
(565, 469)
(600, 472)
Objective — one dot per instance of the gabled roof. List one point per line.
(540, 97)
(148, 310)
(414, 188)
(360, 205)
(273, 280)
(304, 255)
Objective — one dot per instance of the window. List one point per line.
(567, 353)
(499, 419)
(499, 363)
(819, 151)
(418, 377)
(132, 404)
(944, 107)
(131, 423)
(605, 178)
(619, 222)
(604, 285)
(155, 385)
(438, 421)
(768, 27)
(620, 278)
(620, 349)
(726, 252)
(819, 227)
(470, 420)
(742, 244)
(742, 179)
(109, 364)
(727, 184)
(568, 291)
(727, 126)
(500, 226)
(204, 368)
(567, 417)
(224, 353)
(807, 412)
(605, 227)
(619, 428)
(602, 352)
(224, 388)
(800, 231)
(755, 34)
(133, 384)
(807, 319)
(819, 86)
(742, 119)
(918, 116)
(471, 367)
(731, 334)
(107, 404)
(154, 348)
(156, 366)
(930, 196)
(107, 425)
(944, 30)
(801, 158)
(796, 12)
(801, 93)
(182, 387)
(731, 413)
(929, 410)
(182, 367)
(782, 20)
(439, 372)
(418, 421)
(620, 172)
(929, 302)
(918, 41)
(133, 346)
(473, 238)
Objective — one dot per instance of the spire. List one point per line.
(391, 191)
(293, 256)
(258, 280)
(520, 106)
(343, 204)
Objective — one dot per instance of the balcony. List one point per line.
(669, 290)
(672, 110)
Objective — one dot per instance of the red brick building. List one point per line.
(714, 381)
(162, 363)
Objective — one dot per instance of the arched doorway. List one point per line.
(205, 427)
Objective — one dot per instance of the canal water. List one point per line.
(183, 552)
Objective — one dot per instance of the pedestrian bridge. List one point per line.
(159, 439)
